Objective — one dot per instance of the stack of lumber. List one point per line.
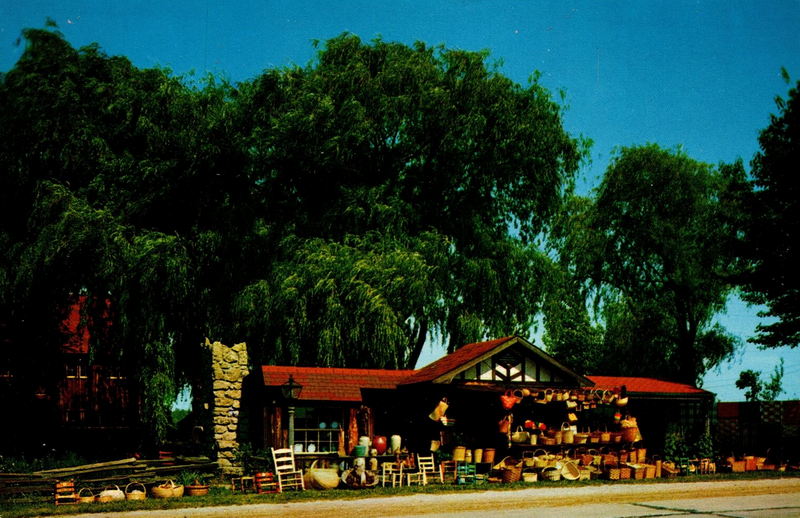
(39, 484)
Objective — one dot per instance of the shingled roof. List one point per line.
(338, 384)
(644, 386)
(456, 360)
(333, 384)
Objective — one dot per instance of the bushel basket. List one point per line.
(511, 474)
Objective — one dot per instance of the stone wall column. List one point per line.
(229, 367)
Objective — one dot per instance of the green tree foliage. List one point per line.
(337, 214)
(773, 232)
(756, 390)
(655, 246)
(416, 158)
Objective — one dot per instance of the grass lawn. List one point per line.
(222, 495)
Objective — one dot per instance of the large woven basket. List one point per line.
(511, 474)
(570, 470)
(167, 490)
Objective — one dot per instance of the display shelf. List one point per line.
(318, 440)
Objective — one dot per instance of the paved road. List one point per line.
(747, 499)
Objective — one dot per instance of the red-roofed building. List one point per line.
(80, 394)
(336, 406)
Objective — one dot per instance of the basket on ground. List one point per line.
(321, 478)
(135, 491)
(167, 490)
(85, 496)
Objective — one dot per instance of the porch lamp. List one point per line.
(291, 391)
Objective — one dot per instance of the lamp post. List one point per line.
(291, 391)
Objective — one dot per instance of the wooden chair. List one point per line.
(288, 475)
(392, 472)
(64, 493)
(427, 465)
(417, 477)
(242, 483)
(447, 470)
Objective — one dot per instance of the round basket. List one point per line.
(196, 490)
(85, 496)
(321, 478)
(570, 471)
(167, 490)
(110, 494)
(630, 434)
(135, 491)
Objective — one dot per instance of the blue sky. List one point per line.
(698, 74)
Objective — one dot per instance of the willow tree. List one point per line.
(420, 160)
(109, 173)
(335, 214)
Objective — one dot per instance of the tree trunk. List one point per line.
(418, 344)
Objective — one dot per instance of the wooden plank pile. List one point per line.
(38, 486)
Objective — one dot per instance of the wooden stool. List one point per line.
(243, 484)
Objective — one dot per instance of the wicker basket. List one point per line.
(529, 477)
(624, 473)
(511, 474)
(552, 474)
(85, 496)
(135, 491)
(613, 473)
(570, 471)
(650, 471)
(167, 490)
(110, 494)
(637, 471)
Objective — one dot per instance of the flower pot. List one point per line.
(196, 490)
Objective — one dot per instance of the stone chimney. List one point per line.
(229, 367)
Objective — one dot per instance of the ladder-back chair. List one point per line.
(427, 465)
(289, 477)
(392, 472)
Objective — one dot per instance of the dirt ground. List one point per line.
(485, 502)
